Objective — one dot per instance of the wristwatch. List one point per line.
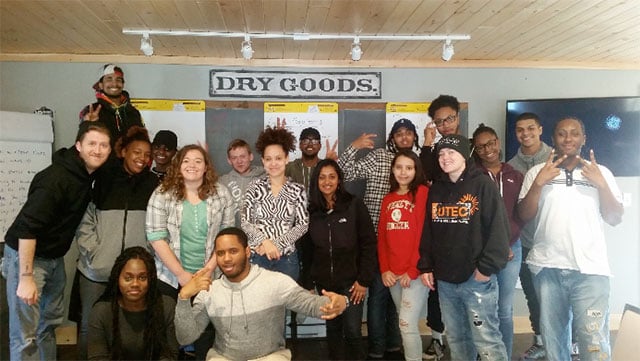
(347, 302)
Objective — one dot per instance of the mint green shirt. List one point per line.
(193, 236)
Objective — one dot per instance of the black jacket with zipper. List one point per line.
(344, 246)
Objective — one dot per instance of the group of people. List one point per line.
(172, 254)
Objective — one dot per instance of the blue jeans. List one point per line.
(470, 311)
(410, 302)
(383, 333)
(32, 328)
(566, 293)
(286, 264)
(507, 279)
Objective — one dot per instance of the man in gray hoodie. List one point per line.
(246, 305)
(240, 157)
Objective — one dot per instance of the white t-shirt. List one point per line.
(569, 231)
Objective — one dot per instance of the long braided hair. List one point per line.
(154, 336)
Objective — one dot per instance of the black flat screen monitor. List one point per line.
(612, 126)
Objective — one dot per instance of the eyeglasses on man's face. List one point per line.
(448, 120)
(481, 148)
(308, 141)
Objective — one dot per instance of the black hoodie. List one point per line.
(466, 227)
(57, 199)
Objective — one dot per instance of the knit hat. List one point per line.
(403, 123)
(167, 138)
(106, 70)
(312, 133)
(456, 142)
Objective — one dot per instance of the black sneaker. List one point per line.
(435, 351)
(535, 352)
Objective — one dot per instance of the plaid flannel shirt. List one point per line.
(375, 168)
(164, 218)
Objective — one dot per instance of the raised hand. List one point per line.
(200, 281)
(429, 134)
(550, 169)
(331, 151)
(358, 292)
(364, 141)
(591, 171)
(281, 123)
(93, 114)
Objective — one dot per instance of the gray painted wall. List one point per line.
(66, 88)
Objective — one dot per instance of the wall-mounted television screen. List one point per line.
(612, 126)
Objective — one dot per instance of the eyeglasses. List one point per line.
(308, 141)
(448, 120)
(487, 145)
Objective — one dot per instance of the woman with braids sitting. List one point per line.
(131, 320)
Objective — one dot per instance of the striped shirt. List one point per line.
(283, 218)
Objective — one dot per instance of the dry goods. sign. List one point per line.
(281, 84)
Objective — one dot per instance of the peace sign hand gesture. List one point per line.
(331, 151)
(93, 114)
(591, 171)
(550, 169)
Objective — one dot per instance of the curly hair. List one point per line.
(173, 182)
(280, 136)
(316, 198)
(154, 329)
(443, 101)
(418, 179)
(134, 134)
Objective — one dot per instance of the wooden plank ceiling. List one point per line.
(541, 33)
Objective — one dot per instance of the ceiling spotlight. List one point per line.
(246, 49)
(356, 49)
(447, 50)
(145, 45)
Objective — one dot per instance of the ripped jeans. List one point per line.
(410, 303)
(563, 293)
(470, 311)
